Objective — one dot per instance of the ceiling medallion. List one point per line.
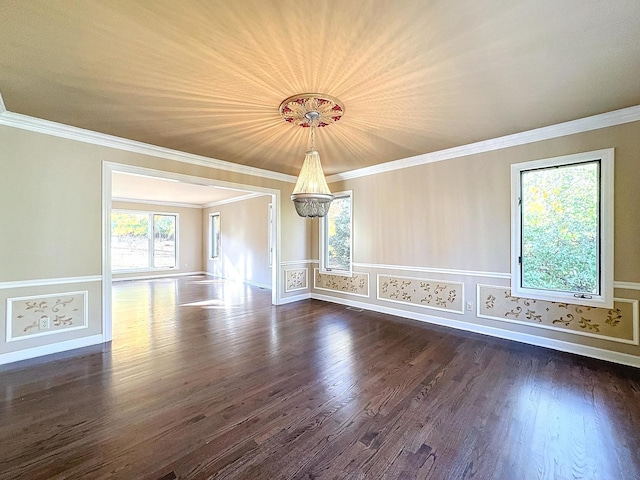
(295, 109)
(311, 195)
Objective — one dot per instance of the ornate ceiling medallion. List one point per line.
(296, 109)
(311, 195)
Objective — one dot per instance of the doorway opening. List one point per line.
(143, 207)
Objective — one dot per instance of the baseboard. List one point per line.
(295, 298)
(586, 351)
(265, 286)
(151, 277)
(28, 353)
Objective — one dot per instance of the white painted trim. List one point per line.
(28, 353)
(461, 312)
(322, 241)
(156, 202)
(241, 198)
(3, 108)
(25, 122)
(342, 291)
(592, 352)
(626, 285)
(131, 271)
(107, 170)
(151, 277)
(297, 262)
(9, 313)
(306, 281)
(107, 178)
(295, 298)
(276, 254)
(50, 281)
(634, 341)
(447, 271)
(595, 122)
(266, 286)
(210, 257)
(604, 298)
(270, 234)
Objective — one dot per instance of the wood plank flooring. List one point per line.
(205, 379)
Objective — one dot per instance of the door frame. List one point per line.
(109, 167)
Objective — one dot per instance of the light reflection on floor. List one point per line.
(148, 313)
(337, 354)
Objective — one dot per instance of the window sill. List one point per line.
(597, 301)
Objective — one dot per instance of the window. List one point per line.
(143, 240)
(335, 236)
(214, 235)
(562, 229)
(164, 241)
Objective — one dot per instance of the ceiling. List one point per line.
(415, 76)
(131, 186)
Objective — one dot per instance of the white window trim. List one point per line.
(605, 299)
(211, 257)
(323, 246)
(150, 267)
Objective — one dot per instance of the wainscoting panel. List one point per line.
(619, 324)
(296, 279)
(357, 284)
(40, 315)
(441, 295)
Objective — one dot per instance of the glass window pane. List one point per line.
(215, 236)
(129, 240)
(338, 235)
(164, 241)
(560, 226)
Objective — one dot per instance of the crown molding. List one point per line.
(47, 127)
(595, 122)
(233, 200)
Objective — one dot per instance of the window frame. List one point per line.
(323, 243)
(605, 235)
(211, 216)
(150, 234)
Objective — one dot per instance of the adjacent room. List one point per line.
(319, 240)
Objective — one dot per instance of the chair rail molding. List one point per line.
(50, 281)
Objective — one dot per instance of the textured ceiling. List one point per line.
(415, 76)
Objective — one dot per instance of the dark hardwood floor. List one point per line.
(206, 379)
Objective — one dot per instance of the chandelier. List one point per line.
(311, 195)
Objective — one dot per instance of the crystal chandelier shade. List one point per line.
(311, 195)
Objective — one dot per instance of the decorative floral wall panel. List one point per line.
(296, 279)
(436, 294)
(357, 284)
(619, 323)
(45, 314)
